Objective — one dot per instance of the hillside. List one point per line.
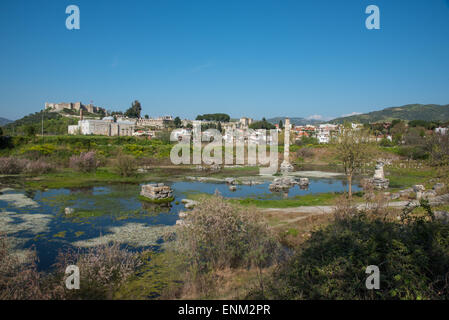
(4, 121)
(294, 121)
(54, 123)
(428, 112)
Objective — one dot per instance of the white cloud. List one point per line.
(351, 114)
(318, 117)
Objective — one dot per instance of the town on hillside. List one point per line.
(97, 121)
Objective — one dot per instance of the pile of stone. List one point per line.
(182, 214)
(156, 191)
(421, 192)
(189, 204)
(303, 182)
(286, 166)
(378, 180)
(285, 183)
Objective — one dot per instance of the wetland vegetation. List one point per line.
(98, 179)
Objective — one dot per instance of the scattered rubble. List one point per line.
(286, 182)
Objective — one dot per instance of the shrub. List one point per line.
(125, 165)
(39, 166)
(163, 136)
(386, 143)
(85, 162)
(40, 150)
(103, 269)
(18, 280)
(413, 152)
(305, 152)
(438, 147)
(12, 165)
(218, 235)
(304, 141)
(412, 254)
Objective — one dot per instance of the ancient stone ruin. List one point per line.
(157, 192)
(286, 165)
(285, 183)
(378, 180)
(421, 193)
(212, 168)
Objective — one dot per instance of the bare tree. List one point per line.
(353, 149)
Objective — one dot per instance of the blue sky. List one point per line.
(257, 58)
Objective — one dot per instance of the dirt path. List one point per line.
(443, 199)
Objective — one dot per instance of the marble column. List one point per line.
(285, 165)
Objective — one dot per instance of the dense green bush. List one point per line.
(413, 152)
(412, 255)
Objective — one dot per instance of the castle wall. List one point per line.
(75, 106)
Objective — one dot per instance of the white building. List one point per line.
(323, 136)
(180, 134)
(105, 127)
(441, 130)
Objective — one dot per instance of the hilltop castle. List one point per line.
(74, 106)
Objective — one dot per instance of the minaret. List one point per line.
(285, 165)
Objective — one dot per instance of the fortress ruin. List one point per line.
(73, 106)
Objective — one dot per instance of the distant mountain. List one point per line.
(4, 121)
(428, 112)
(295, 121)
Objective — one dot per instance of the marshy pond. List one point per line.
(36, 220)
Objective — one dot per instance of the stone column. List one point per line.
(286, 166)
(287, 139)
